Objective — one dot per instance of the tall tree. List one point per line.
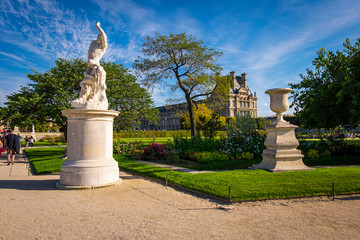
(329, 95)
(184, 63)
(52, 91)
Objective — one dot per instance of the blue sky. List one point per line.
(272, 41)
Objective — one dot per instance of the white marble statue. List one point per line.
(92, 94)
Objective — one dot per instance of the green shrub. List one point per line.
(202, 157)
(234, 145)
(53, 140)
(45, 138)
(313, 153)
(59, 139)
(243, 126)
(325, 154)
(171, 155)
(262, 133)
(197, 144)
(232, 148)
(123, 147)
(334, 148)
(322, 148)
(246, 156)
(353, 149)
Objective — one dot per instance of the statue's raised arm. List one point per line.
(102, 35)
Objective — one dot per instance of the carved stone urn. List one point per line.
(279, 101)
(281, 143)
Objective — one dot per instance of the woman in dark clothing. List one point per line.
(12, 145)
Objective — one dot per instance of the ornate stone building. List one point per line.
(241, 102)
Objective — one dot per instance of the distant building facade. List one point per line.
(169, 118)
(241, 102)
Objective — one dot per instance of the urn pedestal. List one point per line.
(90, 161)
(281, 143)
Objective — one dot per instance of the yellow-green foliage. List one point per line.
(201, 110)
(313, 153)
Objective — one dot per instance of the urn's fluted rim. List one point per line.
(278, 90)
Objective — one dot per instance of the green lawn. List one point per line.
(46, 160)
(256, 184)
(245, 184)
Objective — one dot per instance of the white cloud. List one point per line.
(59, 33)
(12, 56)
(233, 50)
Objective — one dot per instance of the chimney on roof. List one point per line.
(243, 80)
(233, 79)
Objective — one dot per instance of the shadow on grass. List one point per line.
(32, 185)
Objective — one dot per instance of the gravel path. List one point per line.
(32, 208)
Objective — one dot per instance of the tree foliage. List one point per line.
(206, 120)
(243, 126)
(184, 63)
(42, 100)
(261, 122)
(329, 95)
(125, 95)
(293, 120)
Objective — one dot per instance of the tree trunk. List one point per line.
(64, 130)
(191, 115)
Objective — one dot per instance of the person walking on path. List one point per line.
(12, 145)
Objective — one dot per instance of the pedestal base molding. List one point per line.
(281, 153)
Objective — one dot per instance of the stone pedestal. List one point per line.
(281, 143)
(90, 161)
(281, 153)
